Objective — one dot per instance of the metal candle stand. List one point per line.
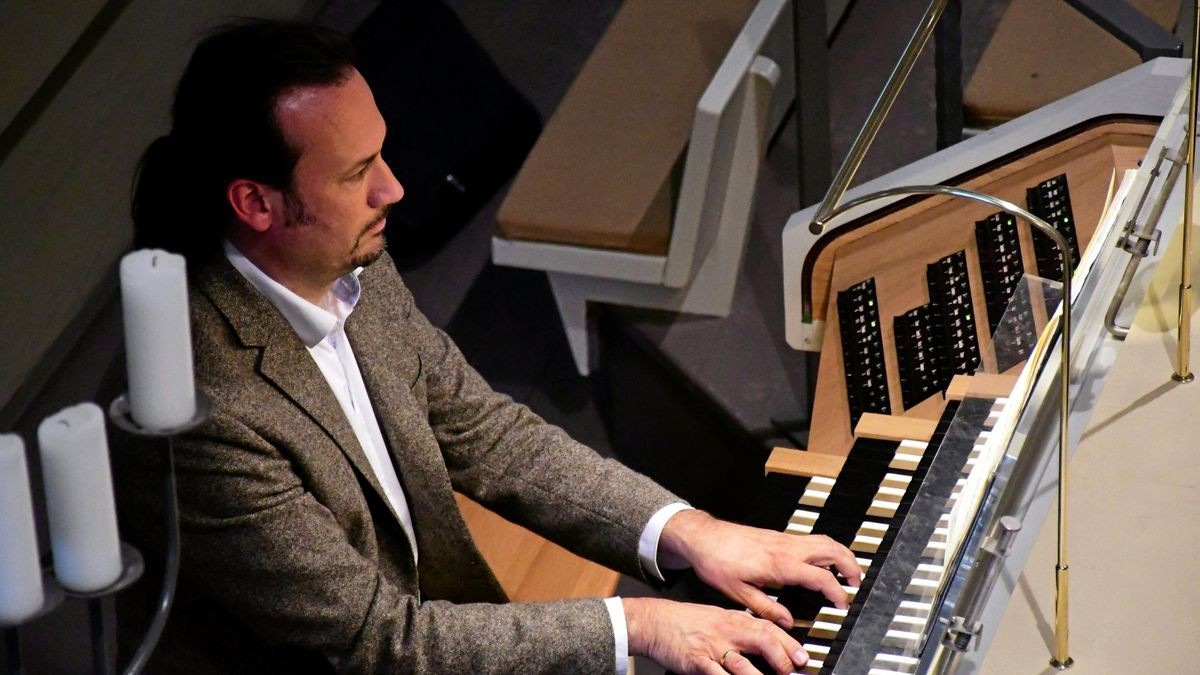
(132, 563)
(52, 597)
(119, 413)
(132, 567)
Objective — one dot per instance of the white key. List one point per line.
(915, 608)
(816, 650)
(804, 516)
(897, 659)
(901, 638)
(815, 498)
(865, 544)
(917, 623)
(883, 509)
(904, 461)
(873, 528)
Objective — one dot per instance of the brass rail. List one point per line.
(858, 151)
(1183, 371)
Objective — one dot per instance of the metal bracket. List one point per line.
(961, 637)
(964, 628)
(1139, 244)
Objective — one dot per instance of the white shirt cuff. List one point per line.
(616, 613)
(648, 544)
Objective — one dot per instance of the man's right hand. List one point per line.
(703, 640)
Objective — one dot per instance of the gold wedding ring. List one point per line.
(726, 655)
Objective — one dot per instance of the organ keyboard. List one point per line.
(892, 489)
(910, 461)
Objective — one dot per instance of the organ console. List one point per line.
(935, 413)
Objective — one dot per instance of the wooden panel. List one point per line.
(529, 567)
(895, 248)
(982, 385)
(802, 463)
(894, 428)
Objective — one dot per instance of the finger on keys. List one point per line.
(780, 650)
(842, 559)
(764, 607)
(823, 581)
(739, 665)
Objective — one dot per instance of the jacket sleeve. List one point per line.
(255, 539)
(503, 455)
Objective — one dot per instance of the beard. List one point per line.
(362, 258)
(299, 215)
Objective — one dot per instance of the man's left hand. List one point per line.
(740, 561)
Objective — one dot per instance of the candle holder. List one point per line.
(52, 597)
(132, 563)
(120, 414)
(132, 567)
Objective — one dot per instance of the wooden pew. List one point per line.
(529, 567)
(1042, 51)
(640, 189)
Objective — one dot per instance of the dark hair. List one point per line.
(224, 128)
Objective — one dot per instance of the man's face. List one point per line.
(341, 188)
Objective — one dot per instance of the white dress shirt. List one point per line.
(322, 330)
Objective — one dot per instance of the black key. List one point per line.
(844, 511)
(889, 539)
(777, 501)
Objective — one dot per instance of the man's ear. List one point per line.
(256, 205)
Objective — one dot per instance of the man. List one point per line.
(319, 525)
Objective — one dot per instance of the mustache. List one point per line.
(383, 213)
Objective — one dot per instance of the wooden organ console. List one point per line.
(933, 416)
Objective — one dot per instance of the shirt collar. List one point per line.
(311, 322)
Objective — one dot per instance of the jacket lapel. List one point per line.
(285, 361)
(451, 567)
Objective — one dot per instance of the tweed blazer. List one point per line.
(292, 558)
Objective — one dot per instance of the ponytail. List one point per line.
(170, 207)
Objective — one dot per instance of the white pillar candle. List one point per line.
(20, 571)
(79, 498)
(158, 340)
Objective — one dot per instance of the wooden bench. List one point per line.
(530, 568)
(1042, 51)
(640, 188)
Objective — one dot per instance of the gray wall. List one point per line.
(85, 85)
(72, 132)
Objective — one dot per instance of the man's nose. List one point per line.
(389, 191)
